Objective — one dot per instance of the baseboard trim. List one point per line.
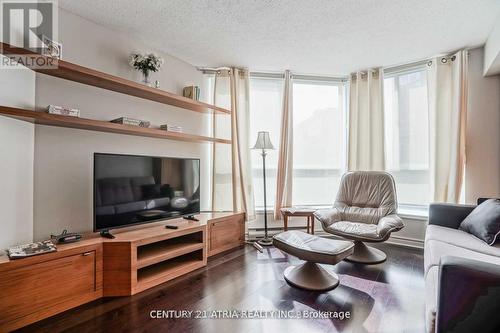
(406, 241)
(255, 233)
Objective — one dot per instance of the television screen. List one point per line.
(138, 189)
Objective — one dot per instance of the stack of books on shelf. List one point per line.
(192, 92)
(63, 111)
(131, 122)
(171, 128)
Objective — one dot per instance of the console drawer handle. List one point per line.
(86, 254)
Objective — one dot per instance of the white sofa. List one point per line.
(459, 268)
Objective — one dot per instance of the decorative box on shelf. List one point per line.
(63, 111)
(171, 128)
(131, 122)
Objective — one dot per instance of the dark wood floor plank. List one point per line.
(387, 297)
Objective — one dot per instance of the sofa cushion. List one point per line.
(137, 184)
(367, 215)
(115, 190)
(460, 238)
(130, 207)
(435, 249)
(105, 210)
(431, 286)
(313, 248)
(484, 221)
(356, 229)
(151, 191)
(158, 202)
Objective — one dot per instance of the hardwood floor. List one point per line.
(387, 297)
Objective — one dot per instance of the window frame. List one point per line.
(410, 209)
(342, 83)
(416, 211)
(266, 76)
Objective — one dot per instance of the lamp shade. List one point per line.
(263, 141)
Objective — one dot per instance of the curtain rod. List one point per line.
(212, 70)
(404, 67)
(387, 70)
(271, 75)
(321, 78)
(444, 58)
(217, 70)
(268, 75)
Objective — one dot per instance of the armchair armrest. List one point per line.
(388, 224)
(448, 215)
(328, 216)
(468, 294)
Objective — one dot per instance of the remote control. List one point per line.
(171, 227)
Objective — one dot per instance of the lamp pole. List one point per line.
(264, 143)
(265, 192)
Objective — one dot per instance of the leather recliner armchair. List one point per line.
(365, 211)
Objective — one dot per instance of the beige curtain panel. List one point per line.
(222, 189)
(285, 153)
(243, 199)
(231, 169)
(365, 150)
(447, 90)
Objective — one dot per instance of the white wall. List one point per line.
(17, 89)
(63, 157)
(492, 51)
(482, 174)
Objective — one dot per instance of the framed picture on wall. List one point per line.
(52, 48)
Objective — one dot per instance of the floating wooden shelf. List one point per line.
(77, 73)
(43, 118)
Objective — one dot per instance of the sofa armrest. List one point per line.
(468, 294)
(448, 215)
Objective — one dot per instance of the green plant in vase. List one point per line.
(146, 63)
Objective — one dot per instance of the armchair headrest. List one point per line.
(368, 189)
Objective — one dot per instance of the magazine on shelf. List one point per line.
(31, 249)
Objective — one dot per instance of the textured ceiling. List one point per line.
(330, 37)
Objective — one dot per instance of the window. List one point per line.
(265, 115)
(407, 135)
(318, 141)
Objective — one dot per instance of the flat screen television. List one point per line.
(131, 189)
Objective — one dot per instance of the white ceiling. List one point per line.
(329, 37)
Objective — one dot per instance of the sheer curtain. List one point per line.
(231, 183)
(366, 122)
(285, 159)
(447, 117)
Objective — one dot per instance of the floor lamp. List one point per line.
(264, 143)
